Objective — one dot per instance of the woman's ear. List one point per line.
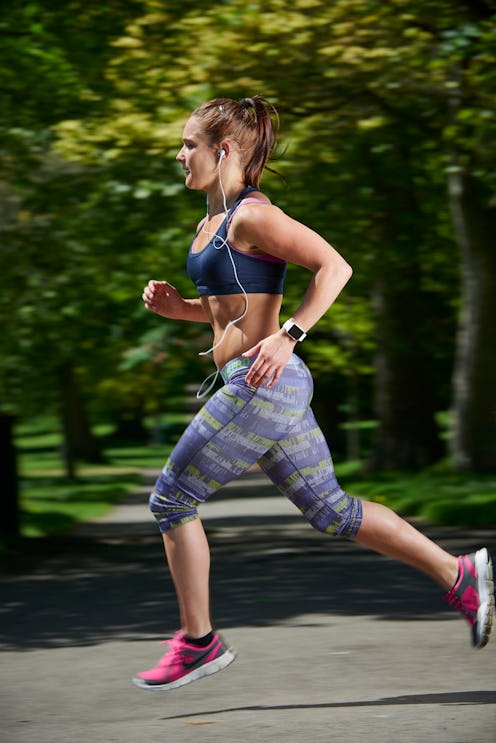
(223, 151)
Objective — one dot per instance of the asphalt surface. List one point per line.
(334, 642)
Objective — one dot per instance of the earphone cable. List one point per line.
(224, 243)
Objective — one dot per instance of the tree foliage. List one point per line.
(382, 105)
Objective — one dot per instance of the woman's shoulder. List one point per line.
(250, 196)
(254, 199)
(255, 220)
(247, 206)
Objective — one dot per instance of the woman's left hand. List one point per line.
(272, 354)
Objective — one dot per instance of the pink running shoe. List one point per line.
(473, 594)
(184, 662)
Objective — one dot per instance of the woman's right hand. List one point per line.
(164, 299)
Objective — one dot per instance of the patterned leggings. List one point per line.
(241, 425)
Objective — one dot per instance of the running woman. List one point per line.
(261, 413)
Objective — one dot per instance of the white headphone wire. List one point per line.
(224, 243)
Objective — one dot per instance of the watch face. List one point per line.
(295, 332)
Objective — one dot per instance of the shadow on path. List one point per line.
(109, 581)
(78, 591)
(456, 698)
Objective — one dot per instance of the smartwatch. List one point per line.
(294, 331)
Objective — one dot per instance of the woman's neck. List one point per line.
(219, 199)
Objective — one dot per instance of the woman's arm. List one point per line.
(164, 299)
(270, 230)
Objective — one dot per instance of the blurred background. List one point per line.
(387, 148)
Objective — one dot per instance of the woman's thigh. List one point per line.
(233, 430)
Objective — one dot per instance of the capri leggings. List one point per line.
(241, 425)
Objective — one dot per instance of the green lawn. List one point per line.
(437, 493)
(52, 504)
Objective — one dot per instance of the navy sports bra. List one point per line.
(212, 268)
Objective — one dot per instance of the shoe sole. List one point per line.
(217, 664)
(485, 587)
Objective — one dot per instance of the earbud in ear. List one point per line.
(222, 152)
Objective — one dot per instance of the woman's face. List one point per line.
(197, 157)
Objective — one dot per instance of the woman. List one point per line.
(261, 414)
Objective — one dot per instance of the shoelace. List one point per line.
(174, 644)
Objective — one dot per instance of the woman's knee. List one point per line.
(170, 505)
(336, 517)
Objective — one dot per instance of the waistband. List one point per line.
(239, 362)
(233, 366)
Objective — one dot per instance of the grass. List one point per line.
(437, 494)
(52, 504)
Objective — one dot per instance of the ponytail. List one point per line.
(265, 140)
(251, 122)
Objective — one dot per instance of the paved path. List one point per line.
(335, 643)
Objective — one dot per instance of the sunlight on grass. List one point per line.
(52, 504)
(437, 493)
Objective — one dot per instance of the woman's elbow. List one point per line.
(345, 272)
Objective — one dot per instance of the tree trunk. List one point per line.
(8, 466)
(474, 384)
(79, 441)
(328, 395)
(407, 435)
(404, 388)
(129, 427)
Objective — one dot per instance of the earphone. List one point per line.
(222, 153)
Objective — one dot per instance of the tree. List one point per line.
(391, 99)
(470, 139)
(9, 493)
(45, 78)
(142, 65)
